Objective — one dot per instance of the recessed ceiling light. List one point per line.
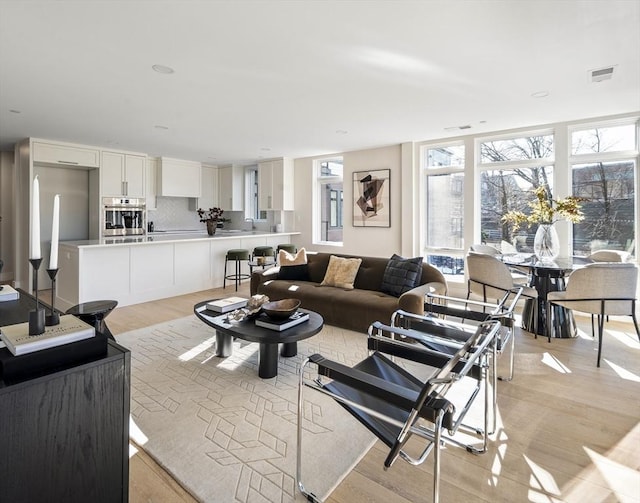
(341, 131)
(540, 94)
(163, 69)
(13, 111)
(265, 149)
(161, 127)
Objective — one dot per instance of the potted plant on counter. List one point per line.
(211, 217)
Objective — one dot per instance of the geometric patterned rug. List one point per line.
(225, 434)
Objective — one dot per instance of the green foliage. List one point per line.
(545, 210)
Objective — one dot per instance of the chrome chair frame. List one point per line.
(503, 311)
(420, 405)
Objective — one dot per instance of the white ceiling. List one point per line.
(260, 79)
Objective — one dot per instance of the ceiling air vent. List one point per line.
(601, 74)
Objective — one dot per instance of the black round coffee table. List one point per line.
(267, 338)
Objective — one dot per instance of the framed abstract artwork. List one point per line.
(371, 198)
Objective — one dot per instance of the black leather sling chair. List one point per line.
(384, 394)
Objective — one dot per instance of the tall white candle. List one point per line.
(55, 231)
(35, 220)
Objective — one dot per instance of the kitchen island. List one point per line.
(138, 269)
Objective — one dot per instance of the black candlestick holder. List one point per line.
(53, 318)
(36, 317)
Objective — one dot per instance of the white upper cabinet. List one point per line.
(67, 155)
(122, 174)
(231, 188)
(209, 196)
(275, 185)
(151, 181)
(179, 178)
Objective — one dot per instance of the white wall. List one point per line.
(6, 213)
(368, 241)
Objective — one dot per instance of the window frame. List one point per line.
(319, 180)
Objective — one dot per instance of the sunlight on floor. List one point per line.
(543, 486)
(623, 481)
(240, 356)
(551, 361)
(615, 469)
(629, 339)
(136, 435)
(200, 348)
(623, 373)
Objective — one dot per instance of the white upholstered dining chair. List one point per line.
(490, 278)
(600, 289)
(610, 256)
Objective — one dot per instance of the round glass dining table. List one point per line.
(546, 277)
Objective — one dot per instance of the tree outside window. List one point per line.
(510, 171)
(606, 180)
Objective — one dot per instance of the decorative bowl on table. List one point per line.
(281, 309)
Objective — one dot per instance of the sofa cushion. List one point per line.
(401, 275)
(287, 259)
(341, 272)
(293, 267)
(294, 272)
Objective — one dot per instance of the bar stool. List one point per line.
(236, 255)
(263, 251)
(94, 313)
(288, 247)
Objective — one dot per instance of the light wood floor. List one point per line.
(567, 431)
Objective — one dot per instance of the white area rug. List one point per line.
(226, 434)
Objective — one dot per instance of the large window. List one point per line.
(509, 171)
(329, 177)
(251, 195)
(444, 168)
(603, 166)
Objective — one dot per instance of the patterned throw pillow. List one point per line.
(293, 267)
(401, 275)
(341, 272)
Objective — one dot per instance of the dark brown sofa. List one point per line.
(351, 309)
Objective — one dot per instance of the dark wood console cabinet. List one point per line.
(64, 436)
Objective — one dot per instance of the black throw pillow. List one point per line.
(294, 272)
(401, 275)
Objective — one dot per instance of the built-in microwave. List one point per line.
(123, 216)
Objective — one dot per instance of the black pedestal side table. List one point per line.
(94, 313)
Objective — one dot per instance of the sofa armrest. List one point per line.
(413, 300)
(262, 276)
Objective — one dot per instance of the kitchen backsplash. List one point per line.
(173, 213)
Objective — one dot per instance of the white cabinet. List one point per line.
(179, 178)
(209, 195)
(151, 182)
(231, 188)
(122, 174)
(275, 185)
(67, 155)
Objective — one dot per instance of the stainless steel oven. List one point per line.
(123, 216)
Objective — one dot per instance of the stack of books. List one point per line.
(226, 305)
(295, 319)
(70, 329)
(7, 292)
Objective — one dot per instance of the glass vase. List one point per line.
(211, 227)
(546, 244)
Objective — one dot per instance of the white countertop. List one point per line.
(167, 237)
